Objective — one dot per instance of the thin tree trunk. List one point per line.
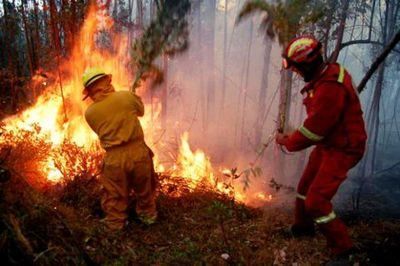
(283, 114)
(284, 101)
(139, 6)
(48, 38)
(246, 85)
(328, 26)
(55, 34)
(199, 46)
(164, 93)
(342, 25)
(224, 57)
(37, 40)
(262, 95)
(12, 55)
(29, 48)
(351, 36)
(372, 19)
(210, 42)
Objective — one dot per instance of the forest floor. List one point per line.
(62, 224)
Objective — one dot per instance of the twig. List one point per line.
(42, 253)
(387, 169)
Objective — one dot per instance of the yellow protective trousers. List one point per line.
(128, 167)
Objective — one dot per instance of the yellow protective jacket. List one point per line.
(114, 117)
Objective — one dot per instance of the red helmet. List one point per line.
(303, 49)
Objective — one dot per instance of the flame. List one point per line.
(194, 166)
(60, 123)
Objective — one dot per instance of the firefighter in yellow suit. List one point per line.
(128, 164)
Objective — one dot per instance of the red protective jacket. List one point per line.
(334, 115)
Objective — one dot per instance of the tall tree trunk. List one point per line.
(11, 53)
(72, 24)
(285, 89)
(209, 42)
(37, 40)
(262, 95)
(48, 38)
(342, 24)
(164, 93)
(200, 49)
(55, 33)
(328, 26)
(66, 25)
(139, 6)
(246, 83)
(284, 101)
(29, 47)
(225, 55)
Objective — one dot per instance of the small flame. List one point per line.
(194, 166)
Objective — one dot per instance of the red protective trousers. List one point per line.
(324, 173)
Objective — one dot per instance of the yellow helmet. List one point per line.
(91, 75)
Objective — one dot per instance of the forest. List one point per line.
(216, 98)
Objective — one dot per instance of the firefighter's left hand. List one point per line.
(280, 138)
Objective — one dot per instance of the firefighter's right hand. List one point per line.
(281, 138)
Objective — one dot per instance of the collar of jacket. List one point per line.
(101, 93)
(310, 85)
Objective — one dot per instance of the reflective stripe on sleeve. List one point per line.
(310, 135)
(325, 219)
(341, 74)
(299, 196)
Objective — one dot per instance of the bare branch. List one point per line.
(349, 43)
(378, 61)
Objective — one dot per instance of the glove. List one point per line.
(281, 138)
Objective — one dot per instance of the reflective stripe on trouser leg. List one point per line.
(325, 219)
(300, 196)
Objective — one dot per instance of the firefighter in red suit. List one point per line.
(335, 126)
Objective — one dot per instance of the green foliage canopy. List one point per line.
(168, 34)
(283, 19)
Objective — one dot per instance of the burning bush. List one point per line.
(28, 154)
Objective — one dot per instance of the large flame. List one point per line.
(57, 115)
